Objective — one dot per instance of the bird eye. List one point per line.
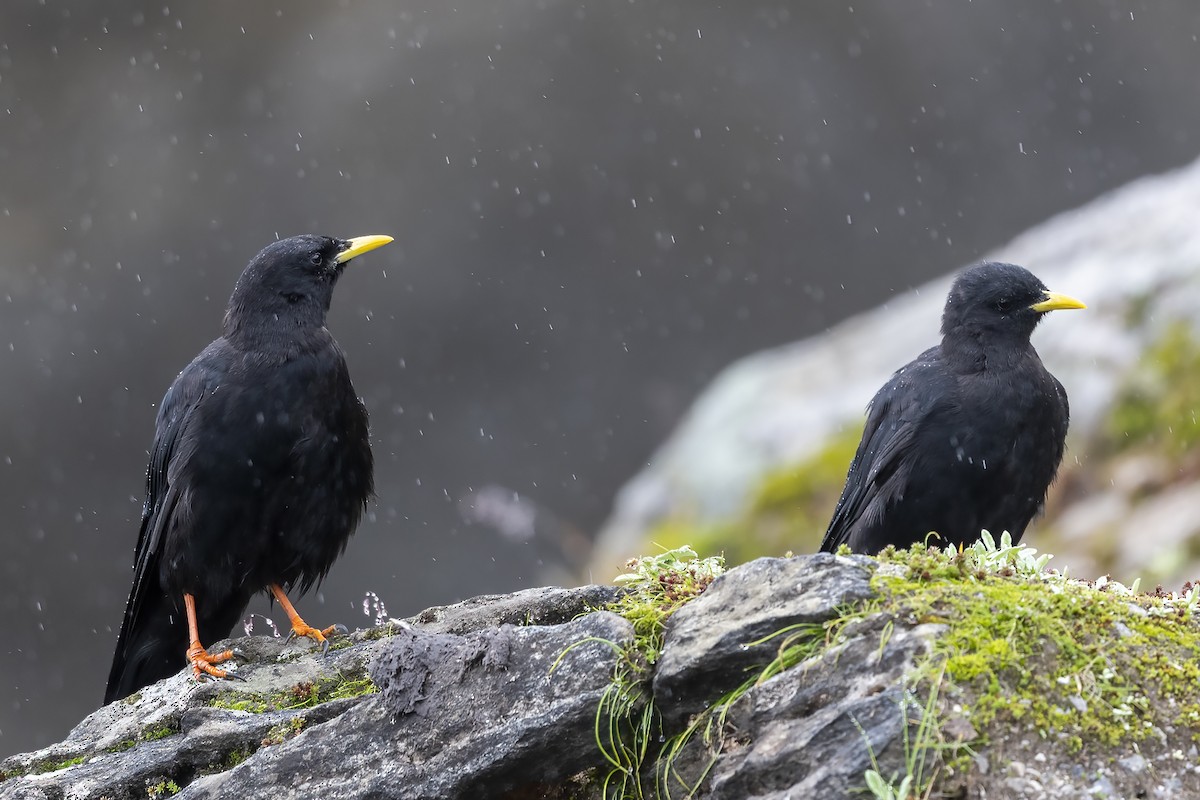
(316, 259)
(1004, 305)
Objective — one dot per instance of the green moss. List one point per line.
(1088, 665)
(284, 731)
(55, 766)
(789, 511)
(236, 757)
(231, 701)
(1156, 407)
(305, 694)
(382, 631)
(160, 731)
(345, 690)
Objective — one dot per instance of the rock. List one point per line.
(812, 730)
(776, 409)
(719, 634)
(521, 724)
(196, 735)
(543, 606)
(786, 678)
(1134, 763)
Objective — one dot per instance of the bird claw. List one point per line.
(202, 663)
(301, 629)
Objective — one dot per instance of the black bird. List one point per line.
(970, 434)
(260, 469)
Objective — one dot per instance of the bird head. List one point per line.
(290, 282)
(1002, 302)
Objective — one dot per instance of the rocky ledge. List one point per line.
(965, 675)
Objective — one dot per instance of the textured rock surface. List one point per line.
(1133, 255)
(711, 638)
(457, 716)
(463, 703)
(810, 732)
(171, 731)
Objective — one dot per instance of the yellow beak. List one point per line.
(1053, 301)
(360, 245)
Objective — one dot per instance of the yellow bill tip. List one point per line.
(1053, 301)
(361, 244)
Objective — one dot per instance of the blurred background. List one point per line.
(597, 206)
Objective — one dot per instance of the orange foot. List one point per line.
(300, 628)
(202, 662)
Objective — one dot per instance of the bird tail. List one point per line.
(150, 647)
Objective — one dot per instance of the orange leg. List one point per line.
(201, 660)
(299, 626)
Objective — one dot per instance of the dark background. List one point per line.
(597, 205)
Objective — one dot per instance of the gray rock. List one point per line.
(468, 705)
(812, 729)
(1134, 763)
(457, 716)
(718, 634)
(549, 605)
(497, 677)
(169, 731)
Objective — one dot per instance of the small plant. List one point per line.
(886, 790)
(284, 731)
(162, 789)
(917, 750)
(797, 643)
(1008, 558)
(626, 720)
(658, 586)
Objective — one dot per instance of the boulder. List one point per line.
(969, 675)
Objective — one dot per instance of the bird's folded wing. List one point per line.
(179, 406)
(881, 466)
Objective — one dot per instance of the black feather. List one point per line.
(260, 469)
(968, 436)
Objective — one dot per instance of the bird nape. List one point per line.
(259, 471)
(969, 435)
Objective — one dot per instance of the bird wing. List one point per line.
(146, 606)
(884, 460)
